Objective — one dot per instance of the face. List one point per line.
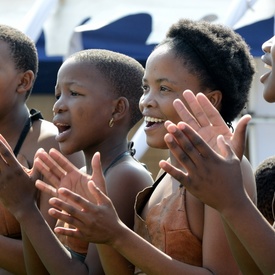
(9, 80)
(82, 121)
(268, 79)
(164, 80)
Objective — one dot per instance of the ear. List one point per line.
(121, 108)
(25, 82)
(215, 97)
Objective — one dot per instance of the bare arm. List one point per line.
(236, 209)
(123, 182)
(104, 227)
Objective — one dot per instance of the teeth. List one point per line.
(61, 125)
(267, 66)
(153, 119)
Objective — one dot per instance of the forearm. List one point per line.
(112, 262)
(245, 262)
(148, 258)
(52, 253)
(11, 255)
(255, 233)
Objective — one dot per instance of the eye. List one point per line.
(145, 88)
(73, 93)
(164, 89)
(57, 96)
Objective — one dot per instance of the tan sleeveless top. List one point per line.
(167, 228)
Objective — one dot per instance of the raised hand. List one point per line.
(94, 216)
(17, 187)
(208, 174)
(60, 172)
(208, 123)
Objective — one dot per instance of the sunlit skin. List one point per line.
(164, 81)
(78, 100)
(268, 79)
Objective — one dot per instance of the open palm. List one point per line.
(208, 123)
(60, 172)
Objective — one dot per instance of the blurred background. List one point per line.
(61, 27)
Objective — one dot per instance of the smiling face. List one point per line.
(81, 92)
(164, 80)
(268, 79)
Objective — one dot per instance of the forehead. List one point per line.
(81, 73)
(163, 62)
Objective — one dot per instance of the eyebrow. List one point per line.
(160, 80)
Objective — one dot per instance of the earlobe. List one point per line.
(26, 82)
(215, 97)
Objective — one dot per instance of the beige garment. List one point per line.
(167, 227)
(9, 226)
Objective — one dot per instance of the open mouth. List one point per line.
(62, 127)
(150, 121)
(268, 66)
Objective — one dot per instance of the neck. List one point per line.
(12, 123)
(107, 155)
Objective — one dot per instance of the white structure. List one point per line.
(60, 18)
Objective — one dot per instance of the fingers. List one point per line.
(239, 138)
(48, 174)
(62, 161)
(70, 232)
(46, 188)
(189, 142)
(185, 114)
(179, 175)
(67, 213)
(6, 143)
(97, 175)
(196, 108)
(7, 157)
(224, 147)
(209, 110)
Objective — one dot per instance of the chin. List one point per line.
(156, 144)
(66, 150)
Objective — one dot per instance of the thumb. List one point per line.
(239, 137)
(97, 175)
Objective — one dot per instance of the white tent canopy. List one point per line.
(61, 20)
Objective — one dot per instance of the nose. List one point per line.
(59, 106)
(267, 45)
(147, 100)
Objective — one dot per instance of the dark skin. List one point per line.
(100, 222)
(77, 94)
(14, 112)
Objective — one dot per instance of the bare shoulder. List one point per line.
(129, 173)
(123, 183)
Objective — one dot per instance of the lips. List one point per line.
(150, 121)
(64, 130)
(264, 77)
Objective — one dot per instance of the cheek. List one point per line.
(141, 103)
(81, 112)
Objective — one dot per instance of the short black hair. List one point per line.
(123, 72)
(22, 50)
(265, 183)
(219, 57)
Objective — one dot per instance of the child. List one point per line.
(24, 129)
(177, 233)
(97, 94)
